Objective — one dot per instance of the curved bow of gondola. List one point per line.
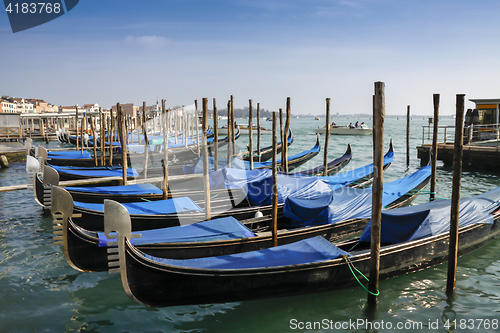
(333, 167)
(266, 153)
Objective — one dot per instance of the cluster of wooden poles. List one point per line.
(378, 139)
(378, 153)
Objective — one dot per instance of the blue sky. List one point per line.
(110, 51)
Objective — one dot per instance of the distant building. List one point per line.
(90, 107)
(8, 105)
(128, 109)
(40, 106)
(24, 106)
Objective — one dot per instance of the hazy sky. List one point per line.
(109, 51)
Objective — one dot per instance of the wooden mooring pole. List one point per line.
(92, 128)
(121, 132)
(101, 136)
(455, 195)
(233, 123)
(258, 131)
(284, 146)
(327, 137)
(111, 137)
(76, 126)
(281, 140)
(434, 147)
(146, 140)
(165, 124)
(229, 134)
(378, 159)
(408, 136)
(275, 183)
(250, 133)
(206, 179)
(216, 138)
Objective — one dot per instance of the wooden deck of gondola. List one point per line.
(478, 156)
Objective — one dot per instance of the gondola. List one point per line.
(332, 167)
(294, 161)
(148, 192)
(86, 159)
(86, 250)
(255, 184)
(307, 266)
(266, 153)
(89, 140)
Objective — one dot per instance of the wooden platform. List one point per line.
(477, 156)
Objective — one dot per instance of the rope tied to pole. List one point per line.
(352, 268)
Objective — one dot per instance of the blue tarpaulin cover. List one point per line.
(123, 189)
(95, 171)
(346, 203)
(213, 230)
(306, 251)
(257, 184)
(160, 207)
(68, 154)
(433, 218)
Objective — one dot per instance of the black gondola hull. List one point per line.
(155, 284)
(82, 240)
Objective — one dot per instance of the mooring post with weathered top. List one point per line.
(250, 130)
(111, 136)
(83, 127)
(197, 122)
(76, 127)
(121, 133)
(101, 136)
(92, 128)
(229, 134)
(275, 183)
(455, 195)
(146, 140)
(233, 126)
(282, 167)
(258, 131)
(284, 145)
(165, 124)
(327, 136)
(408, 136)
(206, 179)
(434, 146)
(216, 138)
(377, 190)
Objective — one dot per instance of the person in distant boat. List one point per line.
(350, 125)
(333, 124)
(357, 124)
(363, 125)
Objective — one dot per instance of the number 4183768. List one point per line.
(34, 8)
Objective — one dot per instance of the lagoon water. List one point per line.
(40, 292)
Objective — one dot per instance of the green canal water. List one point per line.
(40, 292)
